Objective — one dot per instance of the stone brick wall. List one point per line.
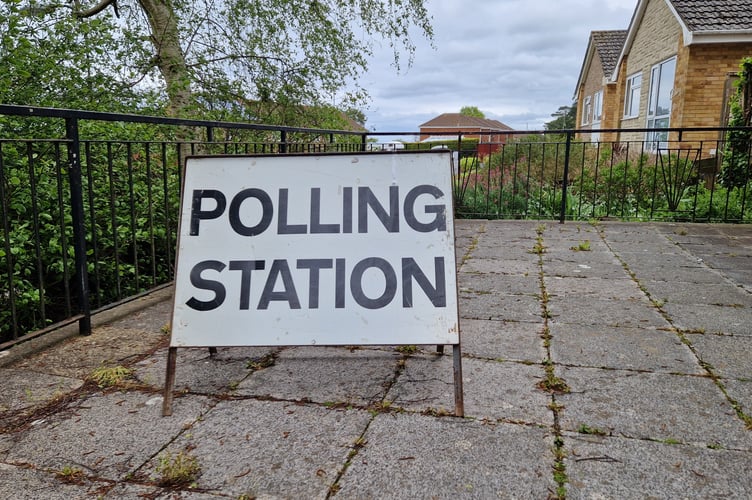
(700, 95)
(657, 39)
(700, 78)
(594, 81)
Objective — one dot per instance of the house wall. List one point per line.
(657, 39)
(701, 75)
(701, 95)
(612, 103)
(612, 110)
(593, 83)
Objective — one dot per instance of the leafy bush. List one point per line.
(131, 193)
(737, 152)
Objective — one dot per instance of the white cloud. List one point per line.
(516, 60)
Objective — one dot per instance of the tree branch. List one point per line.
(82, 14)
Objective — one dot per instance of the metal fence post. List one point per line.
(79, 227)
(567, 147)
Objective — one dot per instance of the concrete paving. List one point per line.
(603, 360)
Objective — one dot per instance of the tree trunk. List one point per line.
(169, 55)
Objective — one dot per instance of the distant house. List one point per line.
(491, 134)
(674, 69)
(597, 91)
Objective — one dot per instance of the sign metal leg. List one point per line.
(172, 356)
(459, 402)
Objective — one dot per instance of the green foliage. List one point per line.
(109, 376)
(71, 475)
(178, 470)
(225, 58)
(611, 185)
(130, 196)
(735, 171)
(564, 119)
(468, 145)
(48, 58)
(525, 180)
(472, 111)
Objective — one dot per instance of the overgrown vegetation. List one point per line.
(737, 153)
(110, 376)
(525, 180)
(177, 471)
(131, 193)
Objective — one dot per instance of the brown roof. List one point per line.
(608, 44)
(715, 15)
(459, 121)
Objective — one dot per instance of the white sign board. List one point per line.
(316, 249)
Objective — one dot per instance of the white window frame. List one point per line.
(597, 106)
(657, 140)
(597, 115)
(586, 110)
(632, 96)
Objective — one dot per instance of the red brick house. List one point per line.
(491, 134)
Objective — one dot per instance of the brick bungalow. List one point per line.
(674, 69)
(489, 133)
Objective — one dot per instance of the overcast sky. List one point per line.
(516, 60)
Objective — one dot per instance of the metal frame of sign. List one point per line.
(287, 242)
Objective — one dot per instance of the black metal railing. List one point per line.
(89, 201)
(691, 175)
(89, 205)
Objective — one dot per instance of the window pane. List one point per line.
(665, 87)
(653, 90)
(632, 99)
(598, 106)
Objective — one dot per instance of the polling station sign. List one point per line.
(343, 249)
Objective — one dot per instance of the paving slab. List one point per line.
(136, 491)
(644, 349)
(660, 407)
(508, 251)
(24, 389)
(198, 371)
(268, 449)
(108, 435)
(110, 346)
(567, 268)
(490, 306)
(500, 265)
(499, 284)
(571, 251)
(493, 390)
(741, 392)
(728, 356)
(593, 288)
(614, 467)
(374, 422)
(671, 268)
(710, 318)
(463, 459)
(698, 293)
(24, 483)
(503, 340)
(326, 375)
(613, 313)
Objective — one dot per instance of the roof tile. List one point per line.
(458, 120)
(715, 15)
(608, 44)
